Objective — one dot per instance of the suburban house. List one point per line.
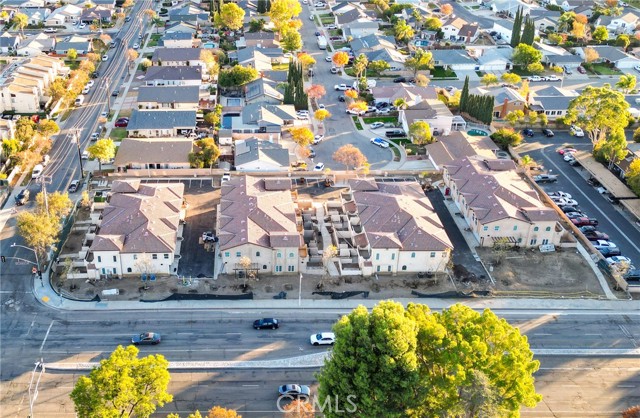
(185, 27)
(169, 97)
(161, 123)
(139, 230)
(435, 113)
(191, 14)
(360, 28)
(552, 101)
(96, 14)
(504, 28)
(262, 90)
(69, 13)
(9, 42)
(81, 44)
(398, 228)
(612, 55)
(111, 4)
(410, 93)
(498, 205)
(153, 153)
(36, 16)
(178, 57)
(173, 76)
(378, 47)
(506, 99)
(177, 40)
(348, 17)
(451, 28)
(254, 154)
(509, 7)
(257, 218)
(455, 59)
(253, 57)
(259, 40)
(458, 145)
(545, 20)
(24, 4)
(493, 59)
(617, 25)
(35, 45)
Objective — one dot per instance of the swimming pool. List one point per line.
(477, 132)
(227, 121)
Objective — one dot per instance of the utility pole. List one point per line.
(76, 138)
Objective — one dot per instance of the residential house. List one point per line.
(9, 42)
(617, 25)
(96, 14)
(262, 91)
(410, 93)
(254, 154)
(24, 4)
(69, 13)
(585, 9)
(552, 101)
(545, 20)
(398, 227)
(345, 19)
(259, 40)
(510, 7)
(173, 76)
(493, 58)
(503, 28)
(185, 27)
(139, 230)
(36, 17)
(35, 45)
(169, 97)
(257, 120)
(432, 111)
(189, 13)
(378, 47)
(361, 28)
(110, 4)
(459, 30)
(257, 218)
(612, 55)
(506, 100)
(153, 153)
(458, 145)
(253, 57)
(178, 57)
(161, 123)
(81, 44)
(572, 5)
(455, 59)
(177, 40)
(498, 205)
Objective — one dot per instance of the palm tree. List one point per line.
(20, 21)
(157, 21)
(400, 103)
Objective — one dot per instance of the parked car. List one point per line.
(562, 151)
(356, 112)
(548, 132)
(567, 70)
(568, 156)
(319, 167)
(376, 125)
(637, 68)
(328, 58)
(617, 260)
(584, 221)
(563, 201)
(535, 78)
(341, 87)
(136, 45)
(296, 391)
(400, 80)
(312, 153)
(115, 93)
(568, 209)
(395, 133)
(264, 323)
(379, 142)
(575, 215)
(323, 338)
(528, 132)
(560, 194)
(342, 99)
(606, 248)
(37, 171)
(596, 235)
(587, 228)
(581, 70)
(552, 78)
(334, 70)
(105, 57)
(317, 139)
(73, 187)
(632, 277)
(576, 131)
(122, 123)
(331, 27)
(50, 30)
(23, 197)
(146, 338)
(545, 178)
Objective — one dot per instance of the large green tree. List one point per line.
(421, 60)
(420, 132)
(633, 176)
(517, 28)
(600, 34)
(123, 385)
(237, 76)
(403, 32)
(525, 54)
(291, 40)
(598, 111)
(626, 83)
(206, 153)
(231, 16)
(613, 149)
(394, 362)
(283, 11)
(103, 150)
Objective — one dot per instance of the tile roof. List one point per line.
(398, 215)
(140, 218)
(493, 190)
(169, 94)
(253, 149)
(457, 145)
(251, 213)
(153, 151)
(161, 119)
(176, 54)
(409, 93)
(179, 72)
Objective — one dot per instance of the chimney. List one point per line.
(504, 107)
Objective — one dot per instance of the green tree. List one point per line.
(231, 16)
(283, 11)
(543, 120)
(623, 41)
(262, 6)
(302, 136)
(291, 40)
(506, 137)
(555, 39)
(529, 32)
(626, 83)
(598, 111)
(526, 54)
(237, 76)
(511, 78)
(103, 150)
(48, 127)
(25, 130)
(256, 25)
(360, 65)
(636, 135)
(213, 118)
(489, 79)
(514, 117)
(20, 21)
(57, 205)
(566, 21)
(403, 32)
(464, 96)
(633, 176)
(517, 28)
(421, 60)
(600, 34)
(11, 146)
(39, 231)
(420, 133)
(532, 117)
(205, 154)
(433, 23)
(123, 385)
(72, 54)
(378, 66)
(613, 149)
(535, 68)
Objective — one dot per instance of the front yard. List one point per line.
(383, 119)
(601, 69)
(441, 72)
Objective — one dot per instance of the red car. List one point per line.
(563, 151)
(122, 123)
(584, 221)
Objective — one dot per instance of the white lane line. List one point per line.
(204, 350)
(233, 333)
(541, 334)
(32, 324)
(625, 386)
(46, 335)
(592, 335)
(256, 386)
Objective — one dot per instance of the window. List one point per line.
(291, 268)
(533, 241)
(115, 271)
(389, 268)
(378, 256)
(515, 227)
(393, 256)
(264, 267)
(377, 268)
(404, 268)
(238, 254)
(290, 255)
(413, 255)
(278, 269)
(279, 255)
(154, 256)
(227, 254)
(104, 271)
(257, 253)
(100, 260)
(496, 228)
(115, 258)
(433, 254)
(545, 241)
(535, 229)
(548, 229)
(135, 256)
(128, 269)
(166, 256)
(485, 228)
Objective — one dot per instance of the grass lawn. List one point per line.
(522, 72)
(440, 72)
(118, 134)
(335, 32)
(154, 39)
(279, 67)
(480, 73)
(338, 45)
(602, 69)
(383, 119)
(72, 64)
(396, 153)
(356, 120)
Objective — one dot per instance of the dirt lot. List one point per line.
(529, 272)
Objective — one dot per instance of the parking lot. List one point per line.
(573, 180)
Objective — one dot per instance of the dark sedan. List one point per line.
(265, 323)
(146, 338)
(548, 132)
(294, 390)
(122, 123)
(528, 132)
(596, 235)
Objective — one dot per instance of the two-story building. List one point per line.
(169, 97)
(178, 57)
(432, 111)
(173, 76)
(161, 123)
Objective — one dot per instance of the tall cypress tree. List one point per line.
(464, 96)
(517, 28)
(262, 6)
(529, 32)
(288, 94)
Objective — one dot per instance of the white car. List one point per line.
(619, 259)
(105, 57)
(355, 112)
(637, 68)
(334, 70)
(323, 338)
(37, 171)
(552, 78)
(576, 131)
(85, 155)
(82, 25)
(302, 114)
(568, 156)
(328, 58)
(379, 142)
(376, 125)
(90, 83)
(331, 27)
(340, 87)
(535, 78)
(319, 167)
(317, 139)
(560, 194)
(50, 30)
(321, 106)
(85, 90)
(136, 46)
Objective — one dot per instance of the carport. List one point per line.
(609, 181)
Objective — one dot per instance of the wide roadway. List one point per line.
(605, 384)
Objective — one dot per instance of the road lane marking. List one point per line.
(251, 386)
(625, 386)
(46, 335)
(627, 334)
(541, 334)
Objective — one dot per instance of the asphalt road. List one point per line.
(572, 180)
(30, 334)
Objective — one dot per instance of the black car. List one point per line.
(567, 209)
(265, 323)
(23, 197)
(317, 33)
(527, 132)
(341, 99)
(587, 228)
(115, 93)
(596, 235)
(146, 338)
(400, 80)
(548, 132)
(95, 74)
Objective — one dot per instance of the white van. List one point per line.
(79, 100)
(37, 171)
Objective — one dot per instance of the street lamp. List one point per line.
(38, 270)
(76, 138)
(106, 89)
